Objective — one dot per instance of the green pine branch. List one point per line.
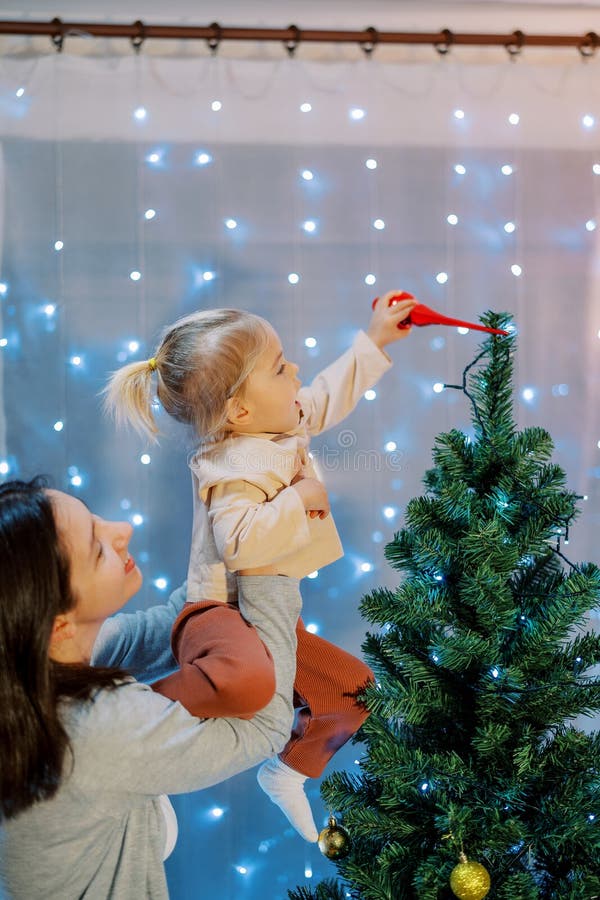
(482, 665)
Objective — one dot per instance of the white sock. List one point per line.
(285, 787)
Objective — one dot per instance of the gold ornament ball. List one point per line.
(469, 880)
(334, 841)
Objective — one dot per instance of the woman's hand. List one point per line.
(383, 327)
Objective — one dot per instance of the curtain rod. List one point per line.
(292, 36)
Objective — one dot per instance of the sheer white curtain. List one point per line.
(213, 205)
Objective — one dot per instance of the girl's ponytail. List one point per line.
(129, 394)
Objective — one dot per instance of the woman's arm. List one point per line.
(138, 741)
(141, 641)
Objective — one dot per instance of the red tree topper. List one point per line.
(423, 315)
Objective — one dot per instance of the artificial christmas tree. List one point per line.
(475, 779)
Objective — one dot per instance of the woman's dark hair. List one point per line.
(34, 589)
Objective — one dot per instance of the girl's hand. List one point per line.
(383, 327)
(313, 495)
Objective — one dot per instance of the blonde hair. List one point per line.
(201, 361)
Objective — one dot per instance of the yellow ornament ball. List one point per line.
(469, 880)
(334, 841)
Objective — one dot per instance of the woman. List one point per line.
(86, 753)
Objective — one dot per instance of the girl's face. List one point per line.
(103, 574)
(269, 400)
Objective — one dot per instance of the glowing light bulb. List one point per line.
(389, 512)
(133, 346)
(425, 786)
(438, 387)
(441, 277)
(145, 459)
(495, 672)
(305, 107)
(137, 519)
(310, 342)
(516, 270)
(135, 275)
(76, 480)
(459, 113)
(509, 227)
(528, 394)
(293, 278)
(514, 118)
(58, 426)
(217, 812)
(154, 157)
(312, 628)
(507, 170)
(19, 92)
(150, 214)
(370, 394)
(3, 342)
(3, 288)
(357, 113)
(242, 870)
(203, 158)
(50, 309)
(307, 175)
(308, 870)
(161, 583)
(590, 225)
(462, 330)
(314, 574)
(596, 168)
(4, 467)
(460, 169)
(390, 446)
(379, 224)
(58, 245)
(216, 105)
(370, 278)
(588, 121)
(366, 567)
(208, 276)
(452, 219)
(231, 224)
(310, 226)
(371, 163)
(140, 113)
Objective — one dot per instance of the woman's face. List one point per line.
(103, 574)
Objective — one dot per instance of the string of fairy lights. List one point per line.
(203, 157)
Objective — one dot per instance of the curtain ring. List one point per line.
(138, 39)
(292, 43)
(369, 45)
(58, 38)
(588, 44)
(514, 46)
(214, 40)
(443, 47)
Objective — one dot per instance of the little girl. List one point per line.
(259, 509)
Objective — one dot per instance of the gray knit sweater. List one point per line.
(103, 834)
